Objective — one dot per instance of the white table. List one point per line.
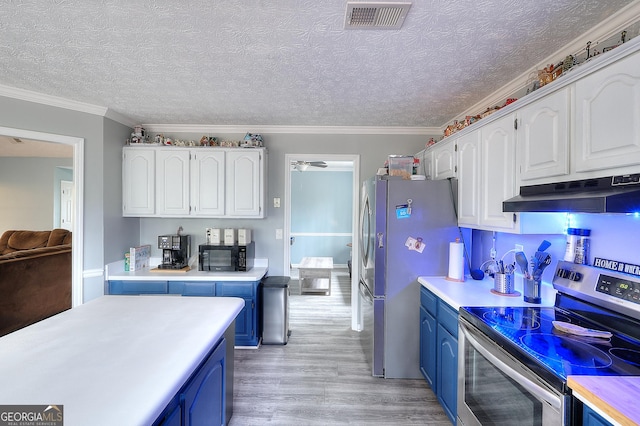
(315, 275)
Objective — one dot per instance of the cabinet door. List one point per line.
(138, 182)
(497, 170)
(428, 352)
(204, 396)
(444, 160)
(607, 119)
(469, 179)
(207, 182)
(172, 177)
(246, 321)
(591, 418)
(543, 139)
(447, 378)
(245, 194)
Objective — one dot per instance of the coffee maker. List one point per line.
(176, 250)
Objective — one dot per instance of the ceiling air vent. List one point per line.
(370, 15)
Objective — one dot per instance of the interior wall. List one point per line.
(321, 207)
(613, 237)
(372, 149)
(28, 192)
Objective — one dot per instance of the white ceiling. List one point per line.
(282, 63)
(10, 147)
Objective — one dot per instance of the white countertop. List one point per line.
(115, 272)
(478, 293)
(114, 360)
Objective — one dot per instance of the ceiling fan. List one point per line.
(303, 165)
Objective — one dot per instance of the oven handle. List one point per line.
(530, 386)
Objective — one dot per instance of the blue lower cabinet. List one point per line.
(439, 350)
(591, 418)
(201, 401)
(248, 325)
(428, 341)
(248, 322)
(447, 372)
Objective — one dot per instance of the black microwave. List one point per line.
(226, 258)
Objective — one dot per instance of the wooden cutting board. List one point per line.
(171, 271)
(617, 396)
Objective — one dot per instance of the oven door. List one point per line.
(494, 388)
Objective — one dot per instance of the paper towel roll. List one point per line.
(456, 261)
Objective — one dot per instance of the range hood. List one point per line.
(614, 194)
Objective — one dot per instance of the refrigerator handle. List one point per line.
(380, 240)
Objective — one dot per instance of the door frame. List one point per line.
(77, 246)
(355, 223)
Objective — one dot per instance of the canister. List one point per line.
(572, 238)
(229, 236)
(582, 246)
(214, 236)
(244, 236)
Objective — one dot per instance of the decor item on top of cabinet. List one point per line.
(252, 140)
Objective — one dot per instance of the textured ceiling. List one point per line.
(285, 62)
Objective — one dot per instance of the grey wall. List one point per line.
(102, 142)
(28, 192)
(372, 149)
(321, 204)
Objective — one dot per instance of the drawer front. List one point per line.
(138, 287)
(236, 289)
(197, 288)
(428, 300)
(448, 317)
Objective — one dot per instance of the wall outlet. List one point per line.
(519, 247)
(278, 234)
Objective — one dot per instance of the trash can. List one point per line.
(275, 310)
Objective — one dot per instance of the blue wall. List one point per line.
(321, 205)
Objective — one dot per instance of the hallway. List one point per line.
(321, 377)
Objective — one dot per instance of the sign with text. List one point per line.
(614, 265)
(32, 415)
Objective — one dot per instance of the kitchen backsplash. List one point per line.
(613, 236)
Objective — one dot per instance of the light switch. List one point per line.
(278, 234)
(276, 202)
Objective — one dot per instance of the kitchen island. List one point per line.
(246, 285)
(120, 359)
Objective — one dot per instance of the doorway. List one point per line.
(76, 200)
(351, 162)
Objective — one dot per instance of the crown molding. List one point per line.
(117, 117)
(607, 28)
(325, 130)
(55, 101)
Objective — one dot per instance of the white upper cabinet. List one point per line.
(444, 160)
(543, 139)
(245, 185)
(207, 183)
(607, 120)
(469, 179)
(190, 182)
(172, 182)
(138, 182)
(497, 172)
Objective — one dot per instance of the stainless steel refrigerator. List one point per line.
(406, 228)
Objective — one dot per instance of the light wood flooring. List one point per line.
(321, 376)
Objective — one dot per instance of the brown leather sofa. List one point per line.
(35, 276)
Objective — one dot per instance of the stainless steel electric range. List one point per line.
(513, 363)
